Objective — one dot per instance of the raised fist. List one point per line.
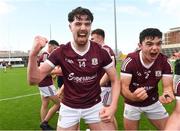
(39, 43)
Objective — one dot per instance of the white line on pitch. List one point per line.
(17, 97)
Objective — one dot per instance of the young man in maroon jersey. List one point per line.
(173, 122)
(98, 36)
(47, 90)
(140, 73)
(82, 62)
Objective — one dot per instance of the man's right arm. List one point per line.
(34, 73)
(138, 95)
(125, 82)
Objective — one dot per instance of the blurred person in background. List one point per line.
(98, 36)
(48, 90)
(173, 122)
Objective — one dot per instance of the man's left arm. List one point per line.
(168, 93)
(107, 113)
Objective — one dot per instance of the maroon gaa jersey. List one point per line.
(47, 81)
(145, 77)
(81, 73)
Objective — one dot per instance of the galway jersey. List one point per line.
(177, 79)
(47, 81)
(81, 73)
(143, 76)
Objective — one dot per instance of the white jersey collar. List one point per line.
(79, 52)
(142, 62)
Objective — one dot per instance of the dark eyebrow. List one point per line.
(150, 42)
(78, 17)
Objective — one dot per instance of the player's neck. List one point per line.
(80, 49)
(147, 64)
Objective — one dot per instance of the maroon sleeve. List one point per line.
(55, 56)
(127, 65)
(105, 57)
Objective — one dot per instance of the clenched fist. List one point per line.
(39, 43)
(140, 94)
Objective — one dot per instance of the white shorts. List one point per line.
(106, 96)
(71, 116)
(154, 111)
(48, 91)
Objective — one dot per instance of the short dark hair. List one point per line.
(99, 32)
(80, 11)
(53, 42)
(149, 32)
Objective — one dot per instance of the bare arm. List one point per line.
(34, 73)
(173, 122)
(168, 95)
(57, 71)
(105, 77)
(60, 92)
(112, 75)
(107, 113)
(104, 80)
(138, 95)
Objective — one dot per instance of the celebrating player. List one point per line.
(82, 62)
(47, 90)
(140, 73)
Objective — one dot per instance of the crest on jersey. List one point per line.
(158, 73)
(94, 61)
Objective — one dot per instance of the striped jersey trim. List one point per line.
(50, 63)
(178, 98)
(125, 63)
(168, 75)
(108, 66)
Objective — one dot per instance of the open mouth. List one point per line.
(153, 54)
(82, 34)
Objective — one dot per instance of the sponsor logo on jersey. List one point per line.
(135, 84)
(81, 79)
(69, 60)
(148, 87)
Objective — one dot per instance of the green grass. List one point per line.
(23, 113)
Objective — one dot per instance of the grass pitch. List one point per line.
(20, 104)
